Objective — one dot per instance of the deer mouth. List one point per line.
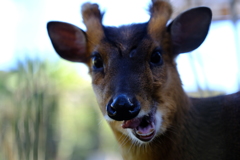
(144, 128)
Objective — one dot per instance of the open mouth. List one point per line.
(144, 128)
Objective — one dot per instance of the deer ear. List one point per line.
(189, 29)
(69, 41)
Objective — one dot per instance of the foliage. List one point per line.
(48, 112)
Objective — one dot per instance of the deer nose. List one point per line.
(123, 108)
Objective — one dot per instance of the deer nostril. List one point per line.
(131, 110)
(111, 109)
(112, 112)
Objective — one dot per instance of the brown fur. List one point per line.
(161, 12)
(92, 18)
(191, 129)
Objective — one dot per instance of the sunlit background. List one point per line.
(47, 107)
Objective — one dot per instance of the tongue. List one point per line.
(143, 126)
(133, 123)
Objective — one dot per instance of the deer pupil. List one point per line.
(97, 62)
(156, 58)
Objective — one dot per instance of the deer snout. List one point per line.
(122, 107)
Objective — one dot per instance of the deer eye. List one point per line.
(156, 58)
(97, 61)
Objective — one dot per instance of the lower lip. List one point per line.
(145, 138)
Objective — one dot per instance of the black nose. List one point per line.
(123, 108)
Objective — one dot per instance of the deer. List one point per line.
(139, 90)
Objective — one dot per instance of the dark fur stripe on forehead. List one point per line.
(129, 35)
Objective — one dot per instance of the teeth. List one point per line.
(146, 134)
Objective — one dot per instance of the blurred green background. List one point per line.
(48, 112)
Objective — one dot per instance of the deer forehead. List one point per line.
(131, 41)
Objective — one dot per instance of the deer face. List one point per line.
(133, 72)
(129, 69)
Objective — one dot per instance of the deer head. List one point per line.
(133, 68)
